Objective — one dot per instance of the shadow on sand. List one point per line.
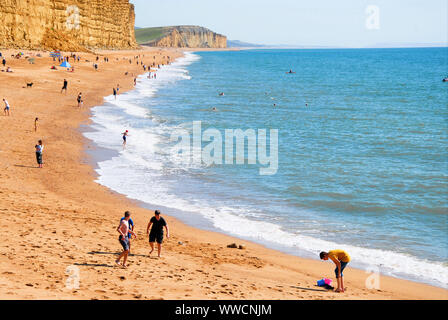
(22, 166)
(94, 265)
(309, 289)
(118, 253)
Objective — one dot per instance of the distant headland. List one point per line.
(180, 37)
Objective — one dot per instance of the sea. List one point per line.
(361, 144)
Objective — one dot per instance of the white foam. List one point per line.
(140, 172)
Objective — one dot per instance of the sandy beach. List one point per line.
(57, 219)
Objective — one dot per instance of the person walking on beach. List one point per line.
(118, 89)
(125, 135)
(7, 108)
(123, 230)
(115, 93)
(79, 99)
(340, 259)
(64, 87)
(35, 124)
(39, 149)
(131, 227)
(156, 233)
(4, 62)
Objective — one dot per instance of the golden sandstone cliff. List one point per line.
(67, 25)
(184, 37)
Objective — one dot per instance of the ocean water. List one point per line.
(363, 167)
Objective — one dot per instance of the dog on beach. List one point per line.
(29, 85)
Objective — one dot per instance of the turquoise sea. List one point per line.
(362, 151)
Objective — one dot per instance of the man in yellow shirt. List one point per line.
(340, 259)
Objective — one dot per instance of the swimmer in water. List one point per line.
(214, 109)
(290, 72)
(221, 94)
(125, 135)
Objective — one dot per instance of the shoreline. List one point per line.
(201, 268)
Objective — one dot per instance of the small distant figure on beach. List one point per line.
(156, 234)
(39, 149)
(118, 89)
(79, 99)
(131, 228)
(340, 259)
(4, 62)
(115, 93)
(7, 108)
(36, 121)
(135, 81)
(125, 136)
(64, 86)
(123, 229)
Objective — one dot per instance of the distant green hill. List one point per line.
(146, 35)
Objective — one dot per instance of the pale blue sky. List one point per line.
(300, 22)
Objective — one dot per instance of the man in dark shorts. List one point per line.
(156, 233)
(64, 87)
(123, 230)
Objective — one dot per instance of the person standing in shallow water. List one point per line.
(39, 149)
(156, 233)
(125, 136)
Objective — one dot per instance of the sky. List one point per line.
(333, 23)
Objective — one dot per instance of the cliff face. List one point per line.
(67, 25)
(189, 37)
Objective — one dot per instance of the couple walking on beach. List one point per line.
(126, 231)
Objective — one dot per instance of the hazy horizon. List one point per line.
(347, 23)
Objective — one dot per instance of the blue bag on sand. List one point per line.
(321, 282)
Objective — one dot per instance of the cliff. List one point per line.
(67, 25)
(180, 37)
